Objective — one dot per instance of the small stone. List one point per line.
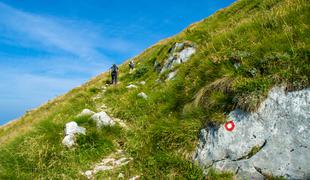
(142, 95)
(171, 75)
(131, 86)
(142, 82)
(88, 174)
(135, 178)
(102, 119)
(86, 112)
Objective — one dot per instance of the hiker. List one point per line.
(114, 72)
(131, 66)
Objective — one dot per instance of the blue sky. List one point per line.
(49, 47)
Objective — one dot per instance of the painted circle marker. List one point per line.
(229, 126)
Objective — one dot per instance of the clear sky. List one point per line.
(48, 47)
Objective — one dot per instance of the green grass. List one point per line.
(39, 153)
(267, 40)
(213, 174)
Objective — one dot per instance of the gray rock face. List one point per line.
(272, 141)
(102, 119)
(180, 53)
(71, 130)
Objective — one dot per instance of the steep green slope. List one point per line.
(268, 41)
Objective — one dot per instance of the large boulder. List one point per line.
(71, 130)
(272, 141)
(180, 53)
(102, 119)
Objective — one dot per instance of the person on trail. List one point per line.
(114, 72)
(131, 66)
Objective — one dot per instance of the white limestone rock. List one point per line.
(279, 130)
(86, 112)
(71, 130)
(142, 82)
(131, 86)
(69, 141)
(102, 119)
(88, 174)
(180, 53)
(186, 53)
(142, 95)
(171, 76)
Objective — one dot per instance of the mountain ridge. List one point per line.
(241, 53)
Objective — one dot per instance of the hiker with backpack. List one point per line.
(114, 72)
(131, 66)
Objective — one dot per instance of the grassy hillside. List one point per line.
(268, 39)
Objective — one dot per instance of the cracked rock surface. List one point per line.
(272, 141)
(180, 53)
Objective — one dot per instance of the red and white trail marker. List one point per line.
(229, 126)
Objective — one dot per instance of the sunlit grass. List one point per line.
(242, 52)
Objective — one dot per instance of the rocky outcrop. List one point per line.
(180, 53)
(102, 119)
(71, 130)
(272, 141)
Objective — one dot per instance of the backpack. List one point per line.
(114, 69)
(131, 65)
